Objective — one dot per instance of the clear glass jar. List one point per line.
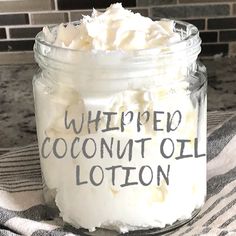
(122, 135)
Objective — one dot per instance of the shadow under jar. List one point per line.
(122, 135)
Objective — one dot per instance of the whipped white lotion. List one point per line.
(107, 205)
(115, 29)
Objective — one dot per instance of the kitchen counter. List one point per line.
(17, 121)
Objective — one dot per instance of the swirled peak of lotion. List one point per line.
(115, 29)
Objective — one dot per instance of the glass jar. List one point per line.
(122, 134)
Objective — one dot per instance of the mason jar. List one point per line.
(122, 134)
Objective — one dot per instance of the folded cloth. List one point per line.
(23, 212)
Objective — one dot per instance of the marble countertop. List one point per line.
(17, 121)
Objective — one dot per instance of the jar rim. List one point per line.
(192, 40)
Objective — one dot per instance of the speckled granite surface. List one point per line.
(17, 121)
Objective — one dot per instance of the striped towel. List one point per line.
(23, 212)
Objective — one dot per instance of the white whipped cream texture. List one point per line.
(116, 28)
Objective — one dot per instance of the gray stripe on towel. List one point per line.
(223, 233)
(228, 222)
(219, 213)
(4, 232)
(217, 183)
(37, 213)
(56, 232)
(212, 206)
(220, 137)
